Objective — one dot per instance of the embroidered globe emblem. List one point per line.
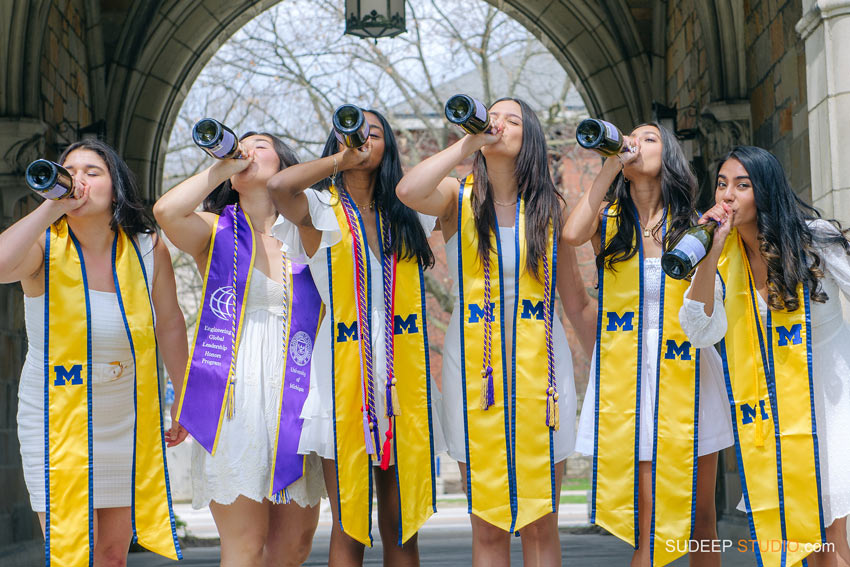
(223, 303)
(300, 348)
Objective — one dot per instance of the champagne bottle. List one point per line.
(350, 126)
(216, 139)
(599, 136)
(682, 258)
(468, 113)
(50, 180)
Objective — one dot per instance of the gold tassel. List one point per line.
(550, 415)
(557, 413)
(485, 383)
(230, 405)
(394, 396)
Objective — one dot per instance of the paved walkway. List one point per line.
(444, 541)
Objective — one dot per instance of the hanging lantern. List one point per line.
(374, 18)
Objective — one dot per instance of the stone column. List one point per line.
(825, 29)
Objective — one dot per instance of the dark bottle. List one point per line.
(216, 139)
(350, 126)
(599, 136)
(468, 113)
(682, 258)
(50, 180)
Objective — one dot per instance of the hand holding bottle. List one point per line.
(352, 158)
(228, 167)
(724, 216)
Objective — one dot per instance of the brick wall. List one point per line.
(776, 78)
(686, 72)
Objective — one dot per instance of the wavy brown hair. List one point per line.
(787, 242)
(534, 186)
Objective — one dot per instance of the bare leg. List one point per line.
(491, 546)
(705, 521)
(113, 532)
(242, 527)
(290, 534)
(344, 550)
(641, 557)
(837, 554)
(541, 543)
(407, 555)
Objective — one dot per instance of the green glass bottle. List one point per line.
(599, 136)
(50, 180)
(216, 139)
(350, 126)
(682, 258)
(468, 113)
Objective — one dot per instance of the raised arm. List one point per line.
(703, 284)
(583, 222)
(580, 308)
(22, 244)
(176, 211)
(428, 189)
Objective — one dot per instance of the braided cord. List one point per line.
(552, 412)
(388, 265)
(487, 393)
(231, 383)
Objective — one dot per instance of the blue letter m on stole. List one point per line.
(793, 335)
(476, 312)
(682, 352)
(748, 413)
(63, 375)
(406, 325)
(346, 332)
(624, 323)
(530, 310)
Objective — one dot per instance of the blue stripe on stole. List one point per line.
(333, 385)
(556, 490)
(135, 392)
(135, 389)
(427, 386)
(738, 457)
(46, 408)
(695, 471)
(600, 288)
(508, 432)
(638, 389)
(462, 306)
(774, 406)
(88, 392)
(512, 440)
(657, 396)
(806, 299)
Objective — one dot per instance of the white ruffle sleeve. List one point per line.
(704, 330)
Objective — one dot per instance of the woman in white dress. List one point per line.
(787, 244)
(510, 173)
(345, 216)
(653, 186)
(106, 197)
(235, 481)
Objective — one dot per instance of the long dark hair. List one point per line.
(225, 194)
(128, 209)
(678, 196)
(534, 186)
(408, 236)
(787, 243)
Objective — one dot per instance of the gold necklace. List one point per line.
(504, 204)
(368, 207)
(647, 232)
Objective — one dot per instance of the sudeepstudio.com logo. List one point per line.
(745, 546)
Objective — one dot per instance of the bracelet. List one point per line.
(336, 170)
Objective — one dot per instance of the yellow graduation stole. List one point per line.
(619, 361)
(510, 463)
(767, 365)
(69, 537)
(354, 382)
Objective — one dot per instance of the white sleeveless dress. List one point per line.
(830, 370)
(113, 414)
(452, 417)
(714, 423)
(317, 436)
(243, 458)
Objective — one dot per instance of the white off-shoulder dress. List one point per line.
(830, 369)
(714, 423)
(243, 459)
(317, 435)
(453, 411)
(113, 414)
